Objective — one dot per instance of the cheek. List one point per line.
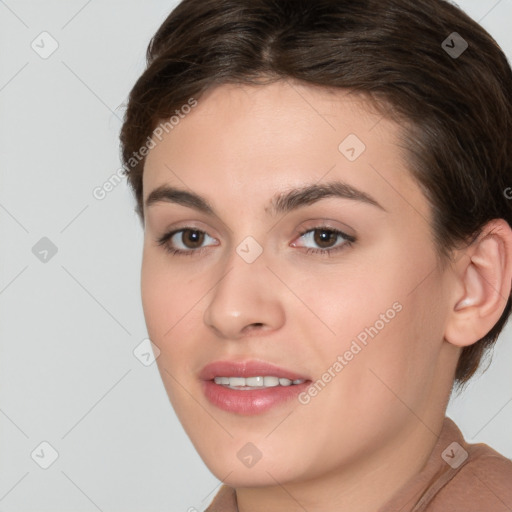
(168, 296)
(387, 325)
(157, 302)
(171, 314)
(173, 305)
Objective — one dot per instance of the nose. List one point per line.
(245, 298)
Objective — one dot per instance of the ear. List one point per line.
(484, 274)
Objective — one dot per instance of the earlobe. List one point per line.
(485, 275)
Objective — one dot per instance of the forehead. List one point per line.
(254, 140)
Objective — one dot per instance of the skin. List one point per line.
(374, 425)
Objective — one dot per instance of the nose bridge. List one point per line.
(243, 295)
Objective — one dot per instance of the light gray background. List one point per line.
(69, 326)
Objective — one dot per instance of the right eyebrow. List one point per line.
(168, 194)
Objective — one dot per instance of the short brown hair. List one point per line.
(457, 108)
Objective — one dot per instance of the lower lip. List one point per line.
(253, 401)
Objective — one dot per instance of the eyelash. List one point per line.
(349, 240)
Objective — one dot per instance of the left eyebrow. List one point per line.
(304, 196)
(281, 203)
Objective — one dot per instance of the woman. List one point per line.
(328, 250)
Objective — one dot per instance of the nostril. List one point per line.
(257, 325)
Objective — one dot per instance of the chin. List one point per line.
(249, 477)
(233, 471)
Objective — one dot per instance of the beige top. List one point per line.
(457, 477)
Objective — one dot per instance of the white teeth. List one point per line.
(255, 381)
(267, 381)
(236, 381)
(271, 381)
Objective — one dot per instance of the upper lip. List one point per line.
(252, 368)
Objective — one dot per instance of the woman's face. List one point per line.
(266, 278)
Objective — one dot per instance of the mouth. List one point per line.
(250, 387)
(259, 382)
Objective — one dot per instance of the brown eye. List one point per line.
(325, 238)
(185, 241)
(192, 239)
